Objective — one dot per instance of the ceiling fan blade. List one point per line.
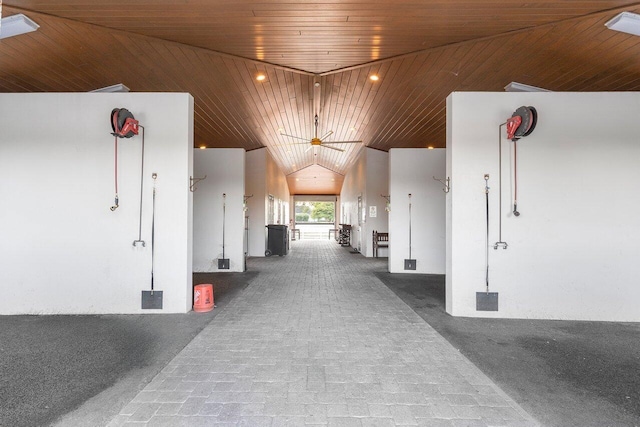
(326, 135)
(310, 147)
(343, 142)
(289, 144)
(332, 148)
(296, 137)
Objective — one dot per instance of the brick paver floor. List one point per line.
(317, 340)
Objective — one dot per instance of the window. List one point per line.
(271, 211)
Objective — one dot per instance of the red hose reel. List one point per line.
(123, 123)
(521, 123)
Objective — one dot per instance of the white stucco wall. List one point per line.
(256, 172)
(377, 186)
(276, 185)
(572, 252)
(368, 177)
(354, 186)
(411, 171)
(224, 168)
(264, 178)
(63, 250)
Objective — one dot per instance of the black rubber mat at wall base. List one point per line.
(50, 365)
(564, 373)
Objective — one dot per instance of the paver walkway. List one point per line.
(317, 339)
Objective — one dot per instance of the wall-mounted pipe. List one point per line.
(500, 242)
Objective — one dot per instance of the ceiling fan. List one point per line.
(319, 142)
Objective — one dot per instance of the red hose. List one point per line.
(116, 165)
(515, 171)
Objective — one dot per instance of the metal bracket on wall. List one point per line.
(193, 181)
(446, 182)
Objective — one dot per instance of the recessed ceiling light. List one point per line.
(202, 147)
(625, 22)
(261, 77)
(374, 77)
(297, 179)
(352, 129)
(430, 147)
(15, 25)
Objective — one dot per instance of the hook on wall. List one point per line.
(446, 182)
(193, 181)
(388, 199)
(244, 202)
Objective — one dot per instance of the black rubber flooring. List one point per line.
(50, 365)
(564, 373)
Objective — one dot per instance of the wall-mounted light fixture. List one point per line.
(521, 87)
(15, 25)
(111, 89)
(625, 22)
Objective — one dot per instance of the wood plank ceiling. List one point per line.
(422, 50)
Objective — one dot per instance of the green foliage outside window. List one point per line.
(323, 211)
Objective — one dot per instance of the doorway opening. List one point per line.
(315, 220)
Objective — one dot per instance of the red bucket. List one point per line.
(203, 298)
